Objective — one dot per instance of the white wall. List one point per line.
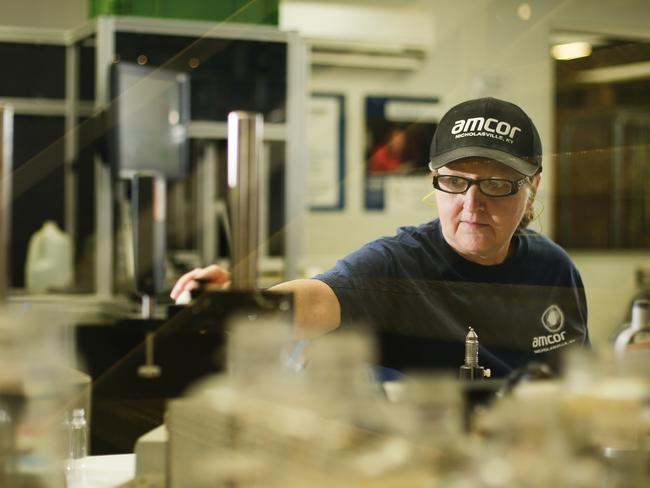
(54, 14)
(480, 48)
(478, 51)
(610, 286)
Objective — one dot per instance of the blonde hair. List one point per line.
(529, 213)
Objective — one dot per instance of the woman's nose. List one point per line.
(473, 199)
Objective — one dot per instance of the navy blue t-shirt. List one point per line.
(421, 297)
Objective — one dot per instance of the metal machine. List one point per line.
(167, 354)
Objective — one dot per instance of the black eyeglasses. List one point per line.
(491, 187)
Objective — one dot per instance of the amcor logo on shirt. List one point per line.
(553, 321)
(548, 340)
(480, 126)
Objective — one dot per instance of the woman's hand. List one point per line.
(211, 277)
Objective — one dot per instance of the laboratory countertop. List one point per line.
(102, 471)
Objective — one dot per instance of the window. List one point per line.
(603, 148)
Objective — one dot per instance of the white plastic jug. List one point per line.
(49, 259)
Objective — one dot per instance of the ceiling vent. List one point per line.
(365, 54)
(348, 35)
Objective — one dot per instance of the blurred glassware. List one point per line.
(35, 391)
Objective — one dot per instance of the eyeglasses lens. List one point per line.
(490, 187)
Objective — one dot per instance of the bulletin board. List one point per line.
(398, 136)
(326, 145)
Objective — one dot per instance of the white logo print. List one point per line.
(479, 126)
(553, 319)
(479, 123)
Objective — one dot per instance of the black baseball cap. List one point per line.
(488, 128)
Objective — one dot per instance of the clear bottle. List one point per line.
(78, 435)
(32, 391)
(359, 438)
(339, 365)
(640, 323)
(221, 433)
(77, 448)
(632, 344)
(606, 419)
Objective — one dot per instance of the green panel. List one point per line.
(255, 12)
(242, 11)
(220, 10)
(144, 8)
(108, 7)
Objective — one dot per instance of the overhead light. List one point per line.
(524, 11)
(359, 54)
(614, 74)
(571, 50)
(368, 61)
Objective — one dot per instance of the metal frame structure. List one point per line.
(69, 107)
(6, 161)
(104, 30)
(618, 121)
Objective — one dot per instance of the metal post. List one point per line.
(206, 185)
(104, 239)
(620, 121)
(149, 205)
(6, 162)
(71, 141)
(244, 152)
(296, 154)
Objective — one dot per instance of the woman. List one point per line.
(475, 266)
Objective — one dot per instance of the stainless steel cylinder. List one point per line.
(471, 349)
(148, 206)
(640, 313)
(244, 155)
(6, 164)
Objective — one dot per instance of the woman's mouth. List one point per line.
(473, 224)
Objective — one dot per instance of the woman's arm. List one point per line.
(316, 307)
